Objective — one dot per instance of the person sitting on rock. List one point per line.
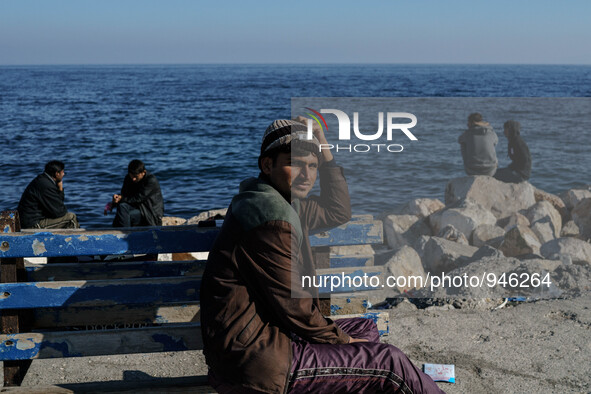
(140, 202)
(478, 147)
(520, 168)
(42, 203)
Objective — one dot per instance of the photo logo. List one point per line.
(345, 130)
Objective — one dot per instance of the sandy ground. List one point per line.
(532, 347)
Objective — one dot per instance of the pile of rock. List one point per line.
(502, 224)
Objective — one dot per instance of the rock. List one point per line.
(574, 196)
(544, 209)
(487, 234)
(520, 241)
(403, 230)
(556, 202)
(544, 230)
(450, 233)
(578, 250)
(570, 229)
(406, 263)
(421, 207)
(502, 199)
(440, 255)
(173, 221)
(581, 214)
(515, 219)
(206, 215)
(464, 216)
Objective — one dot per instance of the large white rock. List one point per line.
(487, 234)
(578, 250)
(464, 216)
(574, 196)
(544, 230)
(403, 230)
(406, 263)
(421, 207)
(520, 241)
(501, 198)
(440, 255)
(173, 221)
(582, 217)
(542, 210)
(207, 214)
(570, 229)
(556, 202)
(515, 219)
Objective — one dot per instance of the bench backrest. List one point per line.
(102, 308)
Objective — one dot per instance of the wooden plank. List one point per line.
(98, 293)
(348, 279)
(59, 344)
(382, 320)
(116, 316)
(144, 240)
(351, 261)
(362, 231)
(113, 270)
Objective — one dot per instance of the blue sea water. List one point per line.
(198, 127)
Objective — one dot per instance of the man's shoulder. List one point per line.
(260, 203)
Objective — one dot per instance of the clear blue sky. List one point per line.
(389, 31)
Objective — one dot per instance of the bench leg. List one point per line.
(15, 371)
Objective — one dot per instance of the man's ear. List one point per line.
(266, 165)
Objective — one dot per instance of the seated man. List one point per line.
(42, 203)
(140, 202)
(263, 332)
(478, 147)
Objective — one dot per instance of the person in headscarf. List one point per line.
(520, 168)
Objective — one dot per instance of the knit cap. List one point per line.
(288, 132)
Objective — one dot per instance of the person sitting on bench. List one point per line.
(262, 331)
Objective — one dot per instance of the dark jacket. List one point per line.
(42, 199)
(146, 196)
(520, 156)
(248, 307)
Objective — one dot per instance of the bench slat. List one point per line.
(148, 240)
(119, 315)
(360, 231)
(26, 346)
(113, 270)
(26, 295)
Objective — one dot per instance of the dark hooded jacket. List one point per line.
(518, 150)
(146, 196)
(248, 307)
(42, 199)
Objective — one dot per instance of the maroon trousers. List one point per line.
(365, 367)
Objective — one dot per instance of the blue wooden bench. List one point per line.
(94, 308)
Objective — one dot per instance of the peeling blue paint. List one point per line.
(10, 349)
(352, 233)
(133, 291)
(334, 309)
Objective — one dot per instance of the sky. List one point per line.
(233, 31)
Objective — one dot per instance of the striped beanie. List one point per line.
(288, 132)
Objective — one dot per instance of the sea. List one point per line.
(198, 128)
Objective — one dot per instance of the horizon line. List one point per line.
(293, 63)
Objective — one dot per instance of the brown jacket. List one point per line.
(248, 310)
